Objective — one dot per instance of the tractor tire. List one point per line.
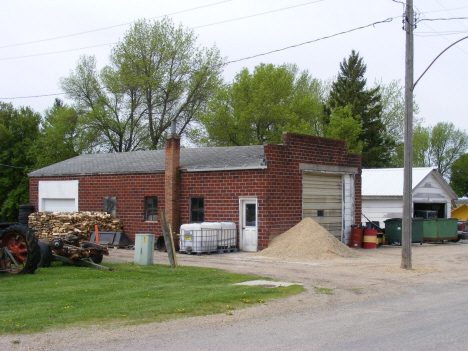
(95, 258)
(46, 255)
(23, 246)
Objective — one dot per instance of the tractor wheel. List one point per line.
(96, 258)
(23, 247)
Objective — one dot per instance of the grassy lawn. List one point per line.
(64, 295)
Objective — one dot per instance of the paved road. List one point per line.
(428, 318)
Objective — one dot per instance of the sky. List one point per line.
(31, 64)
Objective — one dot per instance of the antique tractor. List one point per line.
(19, 249)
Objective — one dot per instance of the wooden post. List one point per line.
(406, 256)
(167, 239)
(173, 247)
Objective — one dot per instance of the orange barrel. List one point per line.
(355, 240)
(370, 238)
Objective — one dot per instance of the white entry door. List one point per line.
(249, 227)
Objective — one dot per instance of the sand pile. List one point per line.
(308, 240)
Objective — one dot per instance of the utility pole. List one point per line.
(408, 151)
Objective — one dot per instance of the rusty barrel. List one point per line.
(355, 240)
(370, 238)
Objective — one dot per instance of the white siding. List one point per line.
(348, 206)
(381, 210)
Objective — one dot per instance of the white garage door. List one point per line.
(61, 205)
(322, 200)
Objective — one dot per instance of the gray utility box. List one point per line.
(144, 249)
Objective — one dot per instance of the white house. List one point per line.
(382, 193)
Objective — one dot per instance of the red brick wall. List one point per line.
(221, 192)
(278, 189)
(130, 191)
(284, 199)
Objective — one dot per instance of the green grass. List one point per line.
(65, 295)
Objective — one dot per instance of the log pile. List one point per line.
(61, 224)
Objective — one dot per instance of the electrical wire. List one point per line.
(443, 19)
(258, 55)
(206, 25)
(16, 167)
(458, 8)
(315, 40)
(115, 26)
(258, 14)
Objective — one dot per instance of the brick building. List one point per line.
(264, 189)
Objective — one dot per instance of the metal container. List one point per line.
(144, 249)
(393, 230)
(199, 237)
(355, 240)
(370, 239)
(227, 237)
(442, 229)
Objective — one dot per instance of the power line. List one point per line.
(32, 96)
(434, 34)
(206, 25)
(388, 20)
(458, 8)
(115, 26)
(16, 167)
(56, 52)
(443, 19)
(258, 14)
(315, 40)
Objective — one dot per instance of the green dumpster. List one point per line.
(441, 229)
(393, 230)
(430, 230)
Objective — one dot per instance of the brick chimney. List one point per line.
(172, 163)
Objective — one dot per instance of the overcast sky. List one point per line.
(442, 94)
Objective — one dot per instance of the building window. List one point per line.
(109, 205)
(151, 209)
(197, 209)
(320, 213)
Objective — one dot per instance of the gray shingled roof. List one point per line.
(191, 160)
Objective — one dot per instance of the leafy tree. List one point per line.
(156, 74)
(258, 107)
(447, 145)
(421, 148)
(19, 129)
(342, 125)
(111, 116)
(349, 89)
(174, 77)
(439, 146)
(459, 176)
(393, 117)
(59, 139)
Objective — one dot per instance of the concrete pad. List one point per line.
(267, 283)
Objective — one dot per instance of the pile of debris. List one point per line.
(306, 241)
(61, 224)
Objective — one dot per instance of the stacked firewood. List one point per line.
(61, 224)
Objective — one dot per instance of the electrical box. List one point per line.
(144, 249)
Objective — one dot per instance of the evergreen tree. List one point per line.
(349, 89)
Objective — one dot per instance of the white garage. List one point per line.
(59, 196)
(382, 193)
